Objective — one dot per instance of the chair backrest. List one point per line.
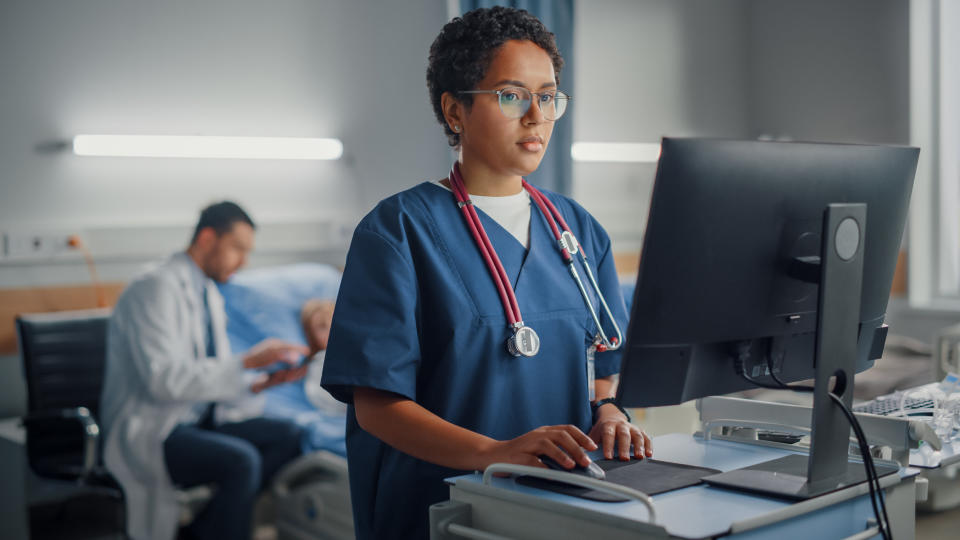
(64, 356)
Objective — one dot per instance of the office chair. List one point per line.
(64, 356)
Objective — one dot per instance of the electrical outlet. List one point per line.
(32, 245)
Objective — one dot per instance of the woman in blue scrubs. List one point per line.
(417, 348)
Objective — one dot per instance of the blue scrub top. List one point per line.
(418, 315)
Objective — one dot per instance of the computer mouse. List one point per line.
(590, 471)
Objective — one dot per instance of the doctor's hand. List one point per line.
(271, 351)
(282, 376)
(615, 433)
(558, 442)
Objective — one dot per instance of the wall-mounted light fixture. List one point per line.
(193, 146)
(616, 152)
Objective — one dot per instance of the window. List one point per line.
(934, 235)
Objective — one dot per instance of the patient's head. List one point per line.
(316, 316)
(222, 240)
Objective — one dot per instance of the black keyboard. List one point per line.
(885, 407)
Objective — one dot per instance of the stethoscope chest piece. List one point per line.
(524, 342)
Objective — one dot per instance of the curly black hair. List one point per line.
(461, 54)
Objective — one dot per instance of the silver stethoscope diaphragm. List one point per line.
(524, 342)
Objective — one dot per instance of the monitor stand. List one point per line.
(827, 468)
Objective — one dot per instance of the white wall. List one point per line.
(649, 69)
(818, 69)
(830, 70)
(339, 68)
(826, 70)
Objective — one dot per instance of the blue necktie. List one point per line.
(211, 343)
(206, 419)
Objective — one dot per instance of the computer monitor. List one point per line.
(730, 271)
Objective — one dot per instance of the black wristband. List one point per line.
(596, 407)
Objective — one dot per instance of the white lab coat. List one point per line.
(156, 373)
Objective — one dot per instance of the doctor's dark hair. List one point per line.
(461, 54)
(221, 216)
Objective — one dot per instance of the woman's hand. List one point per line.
(558, 442)
(615, 434)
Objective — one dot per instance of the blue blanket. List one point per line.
(265, 302)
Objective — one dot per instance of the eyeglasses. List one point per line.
(515, 101)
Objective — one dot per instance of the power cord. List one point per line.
(873, 480)
(74, 242)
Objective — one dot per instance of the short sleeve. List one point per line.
(374, 338)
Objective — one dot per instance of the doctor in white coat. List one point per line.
(168, 362)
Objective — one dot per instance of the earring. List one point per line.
(456, 129)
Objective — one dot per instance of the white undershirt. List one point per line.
(512, 212)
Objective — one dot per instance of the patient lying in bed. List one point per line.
(283, 302)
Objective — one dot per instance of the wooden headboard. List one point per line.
(45, 299)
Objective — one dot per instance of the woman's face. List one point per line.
(499, 145)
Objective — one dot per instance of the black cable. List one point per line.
(873, 480)
(762, 384)
(868, 462)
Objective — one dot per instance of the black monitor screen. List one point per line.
(720, 274)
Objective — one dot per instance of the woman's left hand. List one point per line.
(615, 434)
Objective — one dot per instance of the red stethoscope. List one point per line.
(525, 341)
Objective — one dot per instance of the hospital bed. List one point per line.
(311, 494)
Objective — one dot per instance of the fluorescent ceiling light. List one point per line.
(619, 152)
(191, 146)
